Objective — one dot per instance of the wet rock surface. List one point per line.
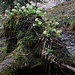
(46, 4)
(68, 38)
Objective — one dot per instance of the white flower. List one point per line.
(6, 11)
(34, 24)
(45, 32)
(39, 22)
(23, 7)
(56, 23)
(18, 4)
(27, 5)
(36, 19)
(25, 10)
(11, 14)
(31, 1)
(50, 21)
(53, 30)
(14, 10)
(59, 31)
(16, 7)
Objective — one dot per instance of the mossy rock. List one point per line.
(60, 11)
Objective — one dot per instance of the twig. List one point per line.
(51, 43)
(45, 44)
(38, 42)
(59, 44)
(60, 68)
(56, 40)
(69, 67)
(36, 33)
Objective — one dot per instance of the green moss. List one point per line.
(1, 33)
(3, 53)
(3, 49)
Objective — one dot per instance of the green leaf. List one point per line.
(50, 51)
(39, 22)
(38, 13)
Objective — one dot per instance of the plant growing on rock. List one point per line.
(51, 28)
(24, 22)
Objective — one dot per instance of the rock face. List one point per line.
(46, 4)
(53, 3)
(69, 40)
(59, 1)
